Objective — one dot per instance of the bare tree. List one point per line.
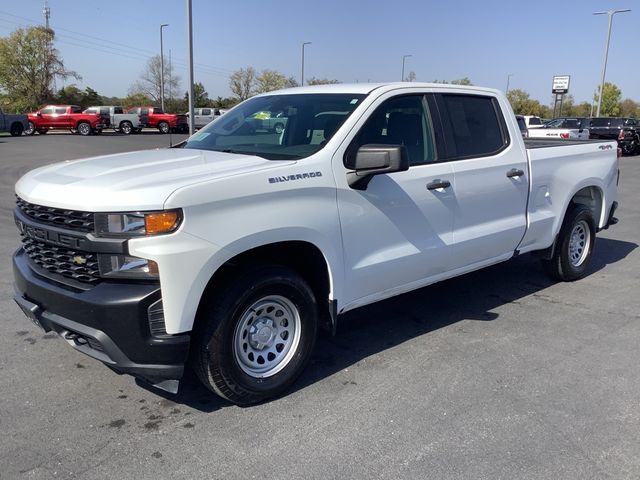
(243, 82)
(321, 81)
(411, 77)
(270, 80)
(149, 83)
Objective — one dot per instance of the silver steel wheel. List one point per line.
(267, 336)
(84, 129)
(579, 243)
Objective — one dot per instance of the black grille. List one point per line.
(74, 264)
(69, 219)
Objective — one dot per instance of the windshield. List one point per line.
(278, 127)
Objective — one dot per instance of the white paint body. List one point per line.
(566, 133)
(391, 238)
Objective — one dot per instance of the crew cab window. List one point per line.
(158, 110)
(473, 126)
(535, 121)
(46, 111)
(278, 127)
(74, 109)
(206, 111)
(60, 111)
(401, 121)
(117, 110)
(91, 110)
(600, 122)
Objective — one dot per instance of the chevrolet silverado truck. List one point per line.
(164, 122)
(14, 124)
(118, 120)
(565, 128)
(232, 250)
(66, 117)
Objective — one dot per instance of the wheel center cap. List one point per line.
(264, 334)
(261, 334)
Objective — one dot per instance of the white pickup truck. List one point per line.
(565, 128)
(236, 247)
(120, 121)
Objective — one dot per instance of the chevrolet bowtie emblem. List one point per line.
(78, 260)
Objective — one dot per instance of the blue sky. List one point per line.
(108, 42)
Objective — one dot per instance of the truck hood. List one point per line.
(131, 181)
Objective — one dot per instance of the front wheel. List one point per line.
(574, 246)
(163, 127)
(126, 127)
(84, 129)
(256, 335)
(31, 129)
(16, 129)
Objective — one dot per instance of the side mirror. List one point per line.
(39, 114)
(371, 160)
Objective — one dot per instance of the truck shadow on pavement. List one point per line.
(372, 329)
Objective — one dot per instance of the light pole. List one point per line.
(190, 65)
(610, 13)
(404, 57)
(508, 79)
(162, 67)
(302, 75)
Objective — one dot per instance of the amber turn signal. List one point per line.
(161, 222)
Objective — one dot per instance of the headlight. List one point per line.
(137, 224)
(127, 266)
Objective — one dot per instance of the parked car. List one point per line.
(118, 120)
(204, 115)
(623, 129)
(564, 127)
(522, 125)
(235, 248)
(269, 121)
(532, 121)
(14, 124)
(164, 122)
(66, 117)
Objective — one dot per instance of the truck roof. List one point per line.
(366, 88)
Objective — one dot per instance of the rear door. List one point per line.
(491, 178)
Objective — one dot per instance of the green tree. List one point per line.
(225, 102)
(69, 95)
(200, 96)
(136, 100)
(411, 77)
(583, 109)
(629, 108)
(29, 65)
(321, 81)
(270, 80)
(243, 83)
(522, 104)
(611, 95)
(459, 81)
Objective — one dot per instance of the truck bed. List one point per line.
(531, 143)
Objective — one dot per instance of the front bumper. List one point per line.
(109, 322)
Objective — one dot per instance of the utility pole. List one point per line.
(190, 62)
(404, 57)
(162, 68)
(46, 11)
(302, 76)
(508, 78)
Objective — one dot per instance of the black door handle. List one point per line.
(515, 172)
(436, 184)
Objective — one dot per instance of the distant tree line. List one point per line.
(30, 66)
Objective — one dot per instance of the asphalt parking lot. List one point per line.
(501, 373)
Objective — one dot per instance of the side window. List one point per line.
(401, 121)
(473, 125)
(46, 111)
(61, 111)
(206, 111)
(144, 111)
(75, 109)
(117, 110)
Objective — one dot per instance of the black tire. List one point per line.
(574, 246)
(96, 131)
(31, 129)
(126, 127)
(274, 302)
(16, 129)
(137, 130)
(163, 127)
(84, 129)
(629, 148)
(43, 131)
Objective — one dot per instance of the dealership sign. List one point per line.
(560, 84)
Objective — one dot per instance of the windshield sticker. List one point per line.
(354, 101)
(198, 137)
(298, 176)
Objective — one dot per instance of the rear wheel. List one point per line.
(16, 129)
(256, 336)
(574, 246)
(163, 127)
(84, 129)
(126, 127)
(31, 129)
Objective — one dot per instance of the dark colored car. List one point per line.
(522, 124)
(625, 130)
